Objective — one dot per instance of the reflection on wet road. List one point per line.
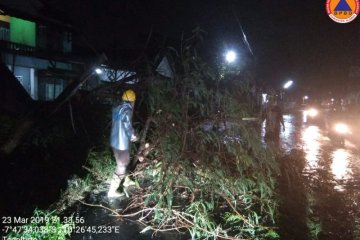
(340, 166)
(311, 139)
(319, 150)
(332, 177)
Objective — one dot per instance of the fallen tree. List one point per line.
(214, 182)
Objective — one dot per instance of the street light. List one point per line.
(230, 56)
(305, 98)
(98, 71)
(288, 84)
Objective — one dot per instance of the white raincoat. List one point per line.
(121, 130)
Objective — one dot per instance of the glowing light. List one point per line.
(341, 128)
(288, 84)
(311, 139)
(230, 56)
(312, 112)
(305, 98)
(340, 165)
(264, 98)
(98, 71)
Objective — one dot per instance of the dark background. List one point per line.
(290, 39)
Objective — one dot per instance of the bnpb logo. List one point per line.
(342, 11)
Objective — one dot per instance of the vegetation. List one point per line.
(208, 171)
(205, 170)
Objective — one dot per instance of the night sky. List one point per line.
(290, 39)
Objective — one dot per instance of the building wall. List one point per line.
(4, 28)
(18, 60)
(26, 70)
(22, 31)
(45, 40)
(23, 61)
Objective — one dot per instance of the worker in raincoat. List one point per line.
(122, 133)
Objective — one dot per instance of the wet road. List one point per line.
(331, 179)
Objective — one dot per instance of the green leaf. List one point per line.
(272, 234)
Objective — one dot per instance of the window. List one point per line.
(53, 89)
(4, 34)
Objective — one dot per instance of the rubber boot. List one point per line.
(114, 185)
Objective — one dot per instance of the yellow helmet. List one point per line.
(129, 95)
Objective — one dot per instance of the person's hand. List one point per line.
(134, 138)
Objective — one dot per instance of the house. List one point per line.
(37, 49)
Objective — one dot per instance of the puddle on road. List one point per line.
(331, 178)
(340, 166)
(311, 141)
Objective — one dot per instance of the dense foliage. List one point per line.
(208, 171)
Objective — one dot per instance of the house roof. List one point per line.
(33, 10)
